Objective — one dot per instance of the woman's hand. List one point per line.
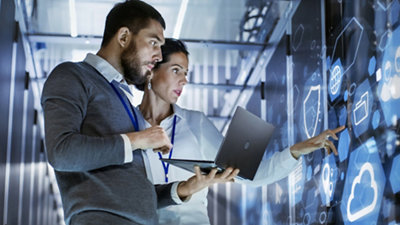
(200, 181)
(317, 142)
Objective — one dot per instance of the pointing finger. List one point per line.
(336, 130)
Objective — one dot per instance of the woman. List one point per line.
(194, 136)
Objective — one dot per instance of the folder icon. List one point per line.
(360, 112)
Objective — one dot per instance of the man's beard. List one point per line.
(130, 63)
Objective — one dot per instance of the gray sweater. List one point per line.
(83, 122)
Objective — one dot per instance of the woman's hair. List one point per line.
(133, 14)
(170, 47)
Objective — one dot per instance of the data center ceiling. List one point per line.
(225, 39)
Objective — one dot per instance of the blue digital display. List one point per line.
(360, 88)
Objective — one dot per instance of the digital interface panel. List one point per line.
(359, 186)
(353, 81)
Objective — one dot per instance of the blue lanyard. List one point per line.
(166, 165)
(132, 117)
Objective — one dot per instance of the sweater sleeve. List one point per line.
(165, 194)
(65, 100)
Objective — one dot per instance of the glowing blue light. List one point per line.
(395, 175)
(343, 146)
(371, 65)
(342, 116)
(376, 119)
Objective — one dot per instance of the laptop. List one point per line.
(243, 147)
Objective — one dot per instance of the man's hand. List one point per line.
(317, 142)
(153, 137)
(200, 181)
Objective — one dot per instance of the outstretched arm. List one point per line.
(317, 142)
(281, 164)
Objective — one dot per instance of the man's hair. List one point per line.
(170, 47)
(133, 14)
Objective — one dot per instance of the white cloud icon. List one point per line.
(391, 89)
(395, 87)
(385, 93)
(367, 167)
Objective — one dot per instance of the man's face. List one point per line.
(142, 53)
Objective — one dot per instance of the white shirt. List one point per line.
(196, 137)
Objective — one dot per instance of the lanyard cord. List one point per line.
(132, 117)
(166, 165)
(134, 122)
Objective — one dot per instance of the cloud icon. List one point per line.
(367, 167)
(395, 87)
(385, 93)
(391, 89)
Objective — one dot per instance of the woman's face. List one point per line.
(170, 77)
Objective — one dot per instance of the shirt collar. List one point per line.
(104, 68)
(178, 111)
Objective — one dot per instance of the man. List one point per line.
(92, 137)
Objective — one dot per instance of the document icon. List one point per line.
(361, 110)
